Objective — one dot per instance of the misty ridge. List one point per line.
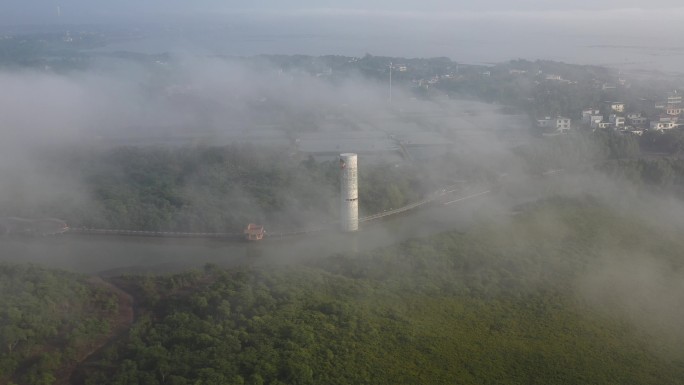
(194, 94)
(211, 144)
(219, 101)
(57, 126)
(61, 127)
(197, 100)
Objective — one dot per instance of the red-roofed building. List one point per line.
(254, 232)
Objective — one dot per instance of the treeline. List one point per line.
(496, 305)
(47, 317)
(523, 84)
(665, 174)
(201, 189)
(221, 189)
(577, 150)
(206, 189)
(670, 142)
(652, 161)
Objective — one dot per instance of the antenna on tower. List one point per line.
(59, 12)
(390, 83)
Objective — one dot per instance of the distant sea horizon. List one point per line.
(626, 57)
(466, 43)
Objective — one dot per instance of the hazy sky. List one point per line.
(83, 11)
(607, 32)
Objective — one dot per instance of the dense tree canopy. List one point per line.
(205, 189)
(499, 304)
(47, 318)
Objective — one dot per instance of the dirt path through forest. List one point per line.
(119, 325)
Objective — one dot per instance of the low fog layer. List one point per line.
(191, 101)
(212, 101)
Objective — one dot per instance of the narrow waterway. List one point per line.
(119, 254)
(114, 255)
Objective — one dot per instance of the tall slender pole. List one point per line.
(390, 83)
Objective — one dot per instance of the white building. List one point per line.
(618, 121)
(674, 109)
(674, 98)
(595, 121)
(616, 106)
(559, 123)
(668, 119)
(563, 123)
(588, 114)
(659, 126)
(637, 121)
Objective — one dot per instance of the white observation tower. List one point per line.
(349, 199)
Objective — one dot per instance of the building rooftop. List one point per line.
(254, 232)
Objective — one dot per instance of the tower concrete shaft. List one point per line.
(349, 197)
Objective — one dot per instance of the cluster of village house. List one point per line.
(614, 116)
